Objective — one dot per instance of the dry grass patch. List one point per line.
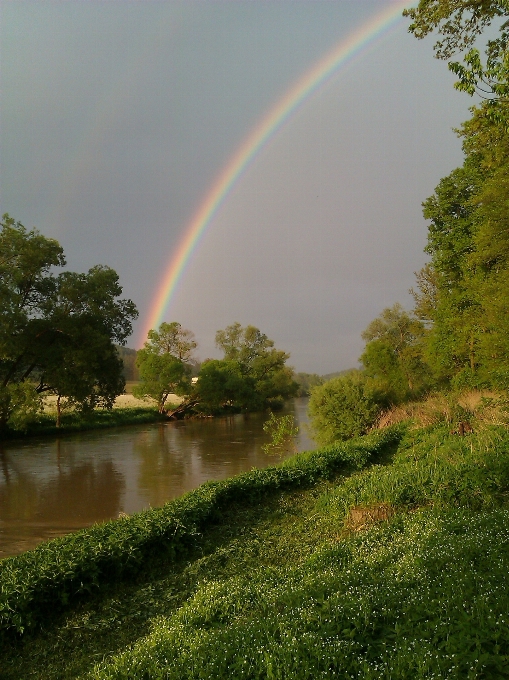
(473, 408)
(363, 517)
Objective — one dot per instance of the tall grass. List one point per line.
(432, 468)
(480, 409)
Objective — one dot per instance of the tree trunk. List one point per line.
(181, 410)
(59, 412)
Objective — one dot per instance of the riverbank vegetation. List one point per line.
(382, 557)
(456, 338)
(251, 376)
(77, 421)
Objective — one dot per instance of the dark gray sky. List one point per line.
(116, 117)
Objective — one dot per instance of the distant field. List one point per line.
(123, 401)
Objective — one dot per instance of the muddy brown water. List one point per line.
(50, 487)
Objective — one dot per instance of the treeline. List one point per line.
(252, 375)
(457, 335)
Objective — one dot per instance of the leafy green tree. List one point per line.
(222, 385)
(56, 331)
(344, 407)
(252, 375)
(163, 364)
(393, 354)
(469, 247)
(459, 24)
(259, 361)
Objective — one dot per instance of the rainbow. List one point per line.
(366, 35)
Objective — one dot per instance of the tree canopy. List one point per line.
(164, 363)
(469, 247)
(251, 376)
(57, 331)
(459, 24)
(393, 354)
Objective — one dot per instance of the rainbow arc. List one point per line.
(301, 91)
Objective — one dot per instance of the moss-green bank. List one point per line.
(77, 422)
(386, 557)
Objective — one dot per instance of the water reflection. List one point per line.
(51, 487)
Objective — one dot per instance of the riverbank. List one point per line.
(386, 557)
(127, 410)
(77, 422)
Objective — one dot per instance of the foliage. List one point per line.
(129, 368)
(460, 22)
(282, 431)
(221, 384)
(393, 356)
(431, 468)
(163, 363)
(73, 420)
(57, 331)
(467, 280)
(66, 569)
(306, 381)
(344, 407)
(23, 402)
(251, 376)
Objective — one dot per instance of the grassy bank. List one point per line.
(77, 422)
(386, 557)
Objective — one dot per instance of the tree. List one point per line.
(393, 354)
(469, 247)
(459, 23)
(222, 385)
(164, 363)
(344, 407)
(251, 376)
(57, 331)
(282, 431)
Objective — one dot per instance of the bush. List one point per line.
(343, 407)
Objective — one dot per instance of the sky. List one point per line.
(117, 118)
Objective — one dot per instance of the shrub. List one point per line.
(343, 407)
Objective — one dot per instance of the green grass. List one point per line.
(77, 422)
(277, 581)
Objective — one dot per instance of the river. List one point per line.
(50, 487)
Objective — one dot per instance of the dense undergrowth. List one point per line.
(339, 563)
(75, 421)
